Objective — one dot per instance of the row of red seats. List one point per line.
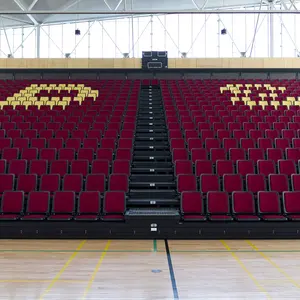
(61, 167)
(70, 182)
(234, 182)
(63, 206)
(242, 206)
(265, 167)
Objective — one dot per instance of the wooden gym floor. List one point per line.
(147, 269)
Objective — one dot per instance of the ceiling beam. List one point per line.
(16, 19)
(31, 6)
(34, 21)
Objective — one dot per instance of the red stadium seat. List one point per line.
(218, 206)
(114, 206)
(192, 207)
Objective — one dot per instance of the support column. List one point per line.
(271, 30)
(38, 41)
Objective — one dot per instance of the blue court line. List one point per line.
(172, 275)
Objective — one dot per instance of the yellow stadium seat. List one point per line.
(251, 104)
(72, 85)
(2, 103)
(9, 99)
(33, 99)
(57, 88)
(239, 85)
(246, 99)
(87, 88)
(15, 103)
(81, 95)
(51, 103)
(275, 104)
(267, 85)
(16, 95)
(67, 99)
(263, 103)
(282, 88)
(27, 103)
(81, 85)
(229, 85)
(262, 95)
(92, 95)
(38, 103)
(39, 88)
(62, 85)
(83, 92)
(62, 103)
(55, 99)
(23, 92)
(297, 103)
(272, 89)
(236, 92)
(257, 85)
(48, 89)
(28, 88)
(222, 89)
(273, 96)
(247, 92)
(68, 88)
(53, 85)
(248, 85)
(34, 85)
(287, 103)
(96, 92)
(43, 85)
(28, 95)
(234, 99)
(77, 89)
(22, 99)
(79, 99)
(292, 99)
(44, 99)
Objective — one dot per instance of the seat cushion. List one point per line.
(274, 218)
(34, 217)
(247, 218)
(9, 217)
(86, 217)
(64, 217)
(113, 217)
(194, 218)
(220, 218)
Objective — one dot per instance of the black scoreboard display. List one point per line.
(154, 60)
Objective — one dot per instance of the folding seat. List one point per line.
(293, 154)
(269, 207)
(194, 143)
(5, 143)
(212, 143)
(38, 143)
(207, 134)
(54, 126)
(13, 133)
(218, 206)
(17, 167)
(66, 154)
(6, 182)
(236, 154)
(12, 205)
(192, 208)
(78, 134)
(73, 143)
(121, 167)
(265, 143)
(70, 126)
(216, 154)
(59, 167)
(229, 143)
(10, 154)
(21, 143)
(255, 183)
(282, 143)
(38, 167)
(256, 154)
(287, 167)
(203, 167)
(108, 143)
(186, 182)
(100, 167)
(63, 134)
(247, 126)
(39, 126)
(180, 154)
(106, 154)
(291, 205)
(63, 206)
(243, 206)
(284, 119)
(288, 134)
(50, 183)
(232, 126)
(278, 183)
(223, 134)
(125, 143)
(56, 143)
(198, 154)
(89, 206)
(274, 154)
(263, 126)
(48, 154)
(279, 126)
(175, 134)
(80, 166)
(27, 183)
(209, 182)
(114, 206)
(224, 167)
(296, 143)
(118, 182)
(2, 166)
(37, 207)
(95, 183)
(47, 134)
(266, 167)
(293, 126)
(183, 167)
(177, 144)
(8, 126)
(295, 180)
(232, 182)
(247, 143)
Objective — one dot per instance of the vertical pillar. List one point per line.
(271, 31)
(219, 38)
(38, 41)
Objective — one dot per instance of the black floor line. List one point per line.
(172, 275)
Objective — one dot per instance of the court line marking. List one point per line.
(171, 269)
(39, 281)
(271, 262)
(155, 245)
(93, 276)
(62, 270)
(242, 265)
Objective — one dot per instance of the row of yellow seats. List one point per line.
(274, 96)
(237, 89)
(72, 85)
(36, 103)
(44, 100)
(274, 103)
(35, 91)
(249, 85)
(32, 98)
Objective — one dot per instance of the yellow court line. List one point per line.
(62, 270)
(250, 275)
(39, 281)
(93, 276)
(268, 259)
